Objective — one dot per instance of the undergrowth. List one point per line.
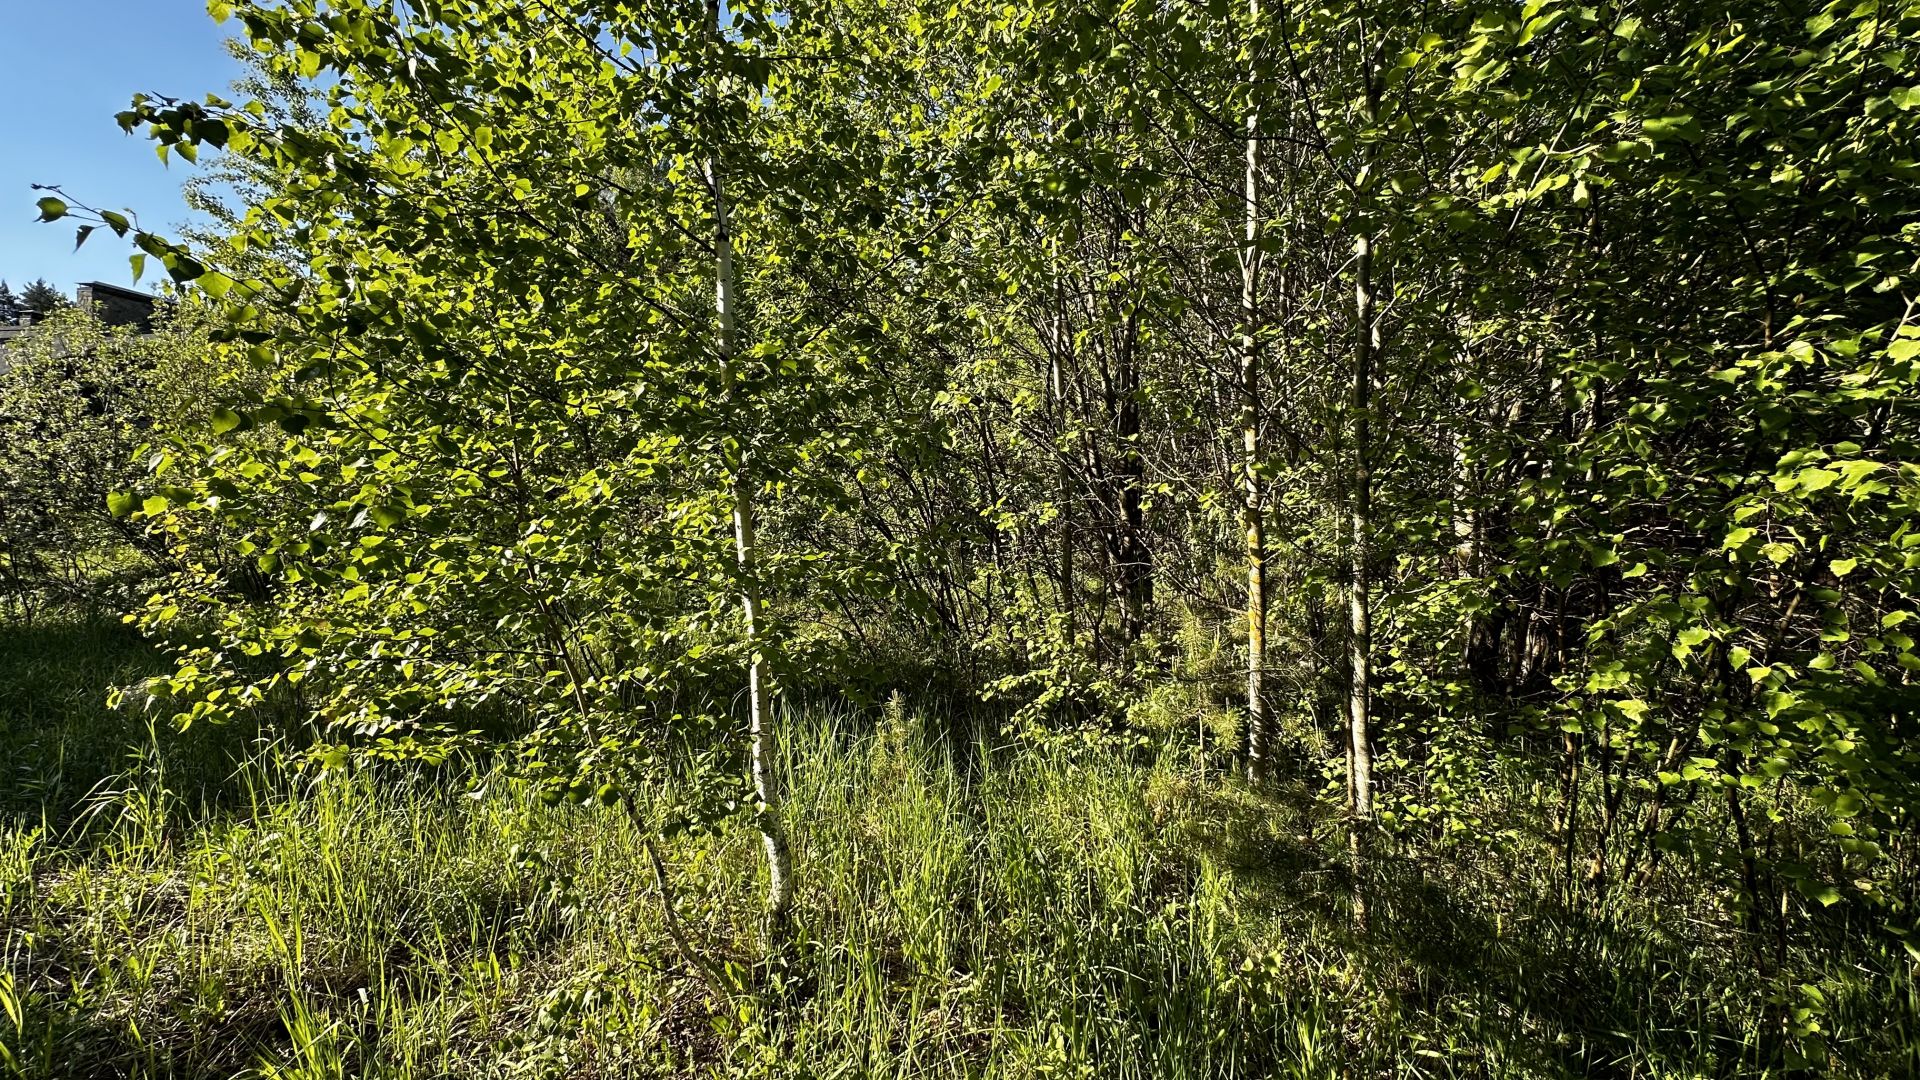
(188, 906)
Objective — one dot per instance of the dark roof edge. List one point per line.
(121, 291)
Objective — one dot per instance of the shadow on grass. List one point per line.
(1504, 969)
(59, 738)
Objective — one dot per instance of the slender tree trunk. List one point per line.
(1056, 382)
(1252, 513)
(1359, 608)
(760, 748)
(1135, 556)
(1466, 523)
(1570, 828)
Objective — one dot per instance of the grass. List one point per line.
(189, 906)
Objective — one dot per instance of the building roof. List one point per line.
(100, 287)
(115, 305)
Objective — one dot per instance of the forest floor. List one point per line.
(193, 905)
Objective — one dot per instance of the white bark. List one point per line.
(760, 747)
(1259, 724)
(1359, 606)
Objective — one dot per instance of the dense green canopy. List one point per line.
(1404, 394)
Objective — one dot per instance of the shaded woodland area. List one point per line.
(1112, 539)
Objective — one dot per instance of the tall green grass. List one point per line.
(208, 909)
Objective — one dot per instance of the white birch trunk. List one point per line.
(1359, 607)
(760, 748)
(1259, 724)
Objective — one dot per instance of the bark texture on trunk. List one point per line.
(1359, 607)
(1252, 510)
(760, 744)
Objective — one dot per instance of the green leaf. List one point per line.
(225, 420)
(155, 505)
(52, 209)
(120, 504)
(1819, 891)
(1816, 479)
(183, 268)
(1680, 127)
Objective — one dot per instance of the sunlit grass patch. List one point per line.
(965, 911)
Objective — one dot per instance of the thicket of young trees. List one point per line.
(77, 399)
(1408, 395)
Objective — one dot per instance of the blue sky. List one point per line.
(66, 66)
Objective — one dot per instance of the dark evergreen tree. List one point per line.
(41, 298)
